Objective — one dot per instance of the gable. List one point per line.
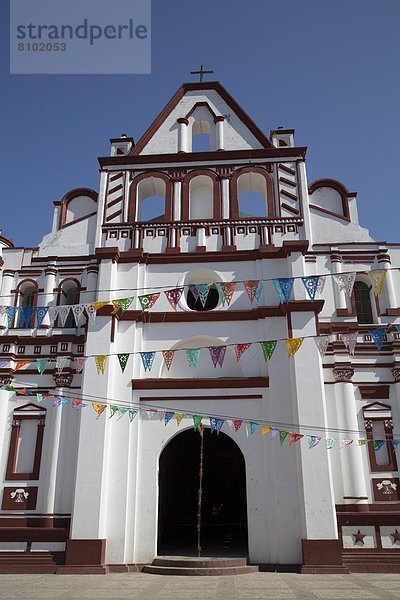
(201, 105)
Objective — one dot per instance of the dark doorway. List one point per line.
(224, 510)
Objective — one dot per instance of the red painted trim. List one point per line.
(234, 202)
(11, 473)
(132, 210)
(206, 105)
(209, 85)
(340, 188)
(200, 383)
(75, 193)
(217, 211)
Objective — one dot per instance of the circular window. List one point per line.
(210, 303)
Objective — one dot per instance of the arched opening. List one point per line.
(151, 199)
(252, 195)
(224, 509)
(201, 197)
(68, 295)
(201, 276)
(363, 302)
(201, 141)
(27, 292)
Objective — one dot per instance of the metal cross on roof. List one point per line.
(201, 72)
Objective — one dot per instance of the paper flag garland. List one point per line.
(99, 304)
(41, 364)
(378, 280)
(378, 336)
(203, 290)
(395, 443)
(193, 290)
(377, 444)
(25, 316)
(168, 357)
(179, 416)
(274, 431)
(226, 291)
(197, 421)
(313, 440)
(123, 360)
(20, 364)
(147, 359)
(78, 314)
(41, 312)
(237, 423)
(53, 314)
(217, 354)
(77, 403)
(113, 410)
(121, 412)
(132, 412)
(240, 349)
(99, 408)
(268, 348)
(320, 285)
(39, 398)
(345, 281)
(362, 442)
(283, 286)
(294, 437)
(251, 286)
(311, 285)
(63, 312)
(283, 433)
(79, 362)
(59, 400)
(253, 427)
(173, 296)
(61, 362)
(11, 312)
(148, 300)
(330, 443)
(265, 429)
(148, 413)
(168, 416)
(293, 345)
(100, 360)
(91, 312)
(216, 424)
(121, 303)
(344, 443)
(192, 355)
(350, 341)
(322, 343)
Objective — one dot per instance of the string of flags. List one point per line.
(217, 353)
(216, 424)
(26, 316)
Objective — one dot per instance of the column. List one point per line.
(339, 295)
(354, 483)
(201, 239)
(91, 283)
(225, 198)
(177, 210)
(49, 297)
(321, 548)
(219, 125)
(183, 134)
(6, 287)
(392, 303)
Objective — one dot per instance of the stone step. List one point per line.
(30, 562)
(208, 562)
(210, 566)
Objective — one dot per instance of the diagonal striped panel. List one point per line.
(115, 198)
(288, 192)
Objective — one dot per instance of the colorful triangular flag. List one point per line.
(173, 296)
(378, 280)
(217, 354)
(123, 360)
(268, 348)
(311, 285)
(147, 359)
(148, 300)
(240, 349)
(293, 345)
(101, 360)
(168, 356)
(283, 286)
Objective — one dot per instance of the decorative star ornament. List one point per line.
(359, 537)
(395, 536)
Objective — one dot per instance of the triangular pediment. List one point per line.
(203, 102)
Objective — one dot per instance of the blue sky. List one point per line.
(328, 69)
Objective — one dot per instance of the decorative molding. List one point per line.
(343, 374)
(396, 374)
(62, 379)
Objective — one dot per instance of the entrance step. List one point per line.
(184, 565)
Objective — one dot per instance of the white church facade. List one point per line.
(296, 477)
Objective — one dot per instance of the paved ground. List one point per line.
(257, 586)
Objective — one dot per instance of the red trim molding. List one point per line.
(342, 191)
(75, 193)
(132, 210)
(234, 203)
(18, 417)
(200, 383)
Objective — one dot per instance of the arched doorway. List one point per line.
(224, 510)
